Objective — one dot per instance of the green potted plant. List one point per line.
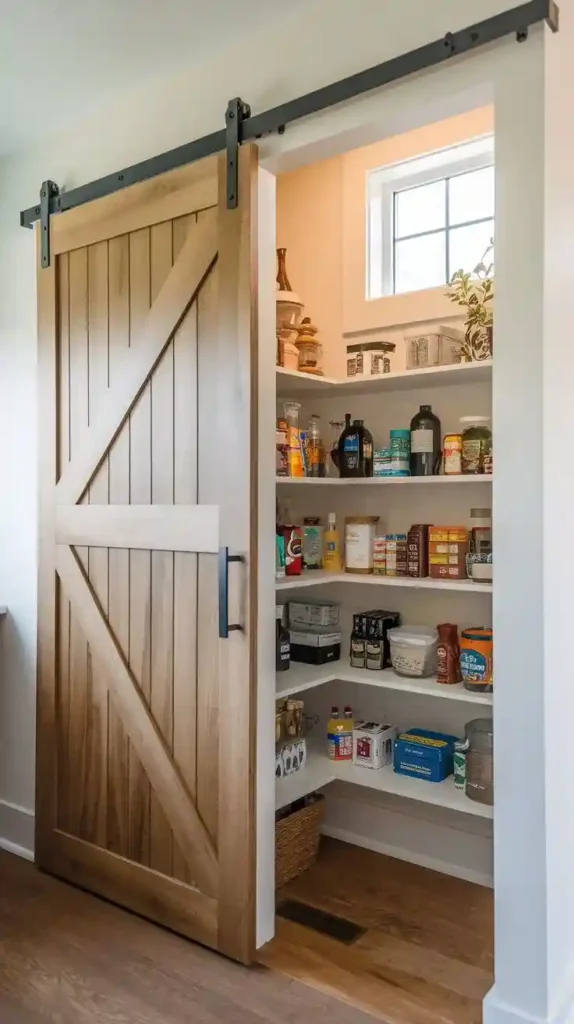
(474, 293)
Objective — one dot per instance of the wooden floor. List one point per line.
(427, 955)
(70, 958)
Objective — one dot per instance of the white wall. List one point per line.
(534, 946)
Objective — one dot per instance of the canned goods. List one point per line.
(476, 659)
(400, 442)
(452, 454)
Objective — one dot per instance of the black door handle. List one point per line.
(224, 558)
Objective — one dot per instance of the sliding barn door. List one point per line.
(147, 370)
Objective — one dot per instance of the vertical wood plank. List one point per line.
(119, 560)
(47, 777)
(237, 398)
(95, 814)
(140, 561)
(63, 668)
(185, 565)
(77, 780)
(162, 433)
(209, 492)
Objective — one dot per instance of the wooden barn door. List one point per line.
(147, 422)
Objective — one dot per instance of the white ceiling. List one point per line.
(63, 59)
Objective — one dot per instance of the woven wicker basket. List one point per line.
(297, 841)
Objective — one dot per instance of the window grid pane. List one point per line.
(419, 262)
(420, 209)
(429, 261)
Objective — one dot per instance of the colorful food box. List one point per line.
(373, 744)
(426, 755)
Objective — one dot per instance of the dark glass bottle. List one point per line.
(283, 642)
(425, 442)
(355, 449)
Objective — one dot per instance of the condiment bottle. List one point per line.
(425, 442)
(355, 449)
(332, 555)
(448, 654)
(283, 642)
(358, 650)
(295, 461)
(314, 449)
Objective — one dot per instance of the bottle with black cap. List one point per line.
(425, 442)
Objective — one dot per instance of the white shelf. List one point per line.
(316, 578)
(305, 677)
(320, 771)
(375, 481)
(442, 794)
(292, 383)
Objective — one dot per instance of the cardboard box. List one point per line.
(315, 648)
(424, 755)
(373, 744)
(313, 615)
(454, 572)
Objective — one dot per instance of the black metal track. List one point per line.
(515, 21)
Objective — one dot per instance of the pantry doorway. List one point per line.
(147, 633)
(372, 863)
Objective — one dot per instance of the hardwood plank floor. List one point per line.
(427, 956)
(70, 958)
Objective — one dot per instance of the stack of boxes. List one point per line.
(448, 548)
(314, 631)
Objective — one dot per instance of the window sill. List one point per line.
(399, 311)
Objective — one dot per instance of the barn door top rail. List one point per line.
(242, 127)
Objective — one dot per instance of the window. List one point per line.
(429, 217)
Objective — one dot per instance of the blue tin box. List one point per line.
(424, 755)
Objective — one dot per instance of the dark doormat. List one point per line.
(333, 927)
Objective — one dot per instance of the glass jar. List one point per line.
(476, 444)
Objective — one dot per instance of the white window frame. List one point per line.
(384, 182)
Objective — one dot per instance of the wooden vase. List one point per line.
(282, 278)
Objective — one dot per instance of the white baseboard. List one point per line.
(17, 830)
(444, 867)
(497, 1012)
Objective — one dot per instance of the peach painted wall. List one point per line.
(310, 227)
(321, 220)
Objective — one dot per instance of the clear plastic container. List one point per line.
(413, 650)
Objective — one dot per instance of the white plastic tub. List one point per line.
(413, 650)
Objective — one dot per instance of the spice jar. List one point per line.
(476, 444)
(452, 454)
(359, 537)
(380, 556)
(396, 554)
(448, 655)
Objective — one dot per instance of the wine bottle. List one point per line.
(425, 442)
